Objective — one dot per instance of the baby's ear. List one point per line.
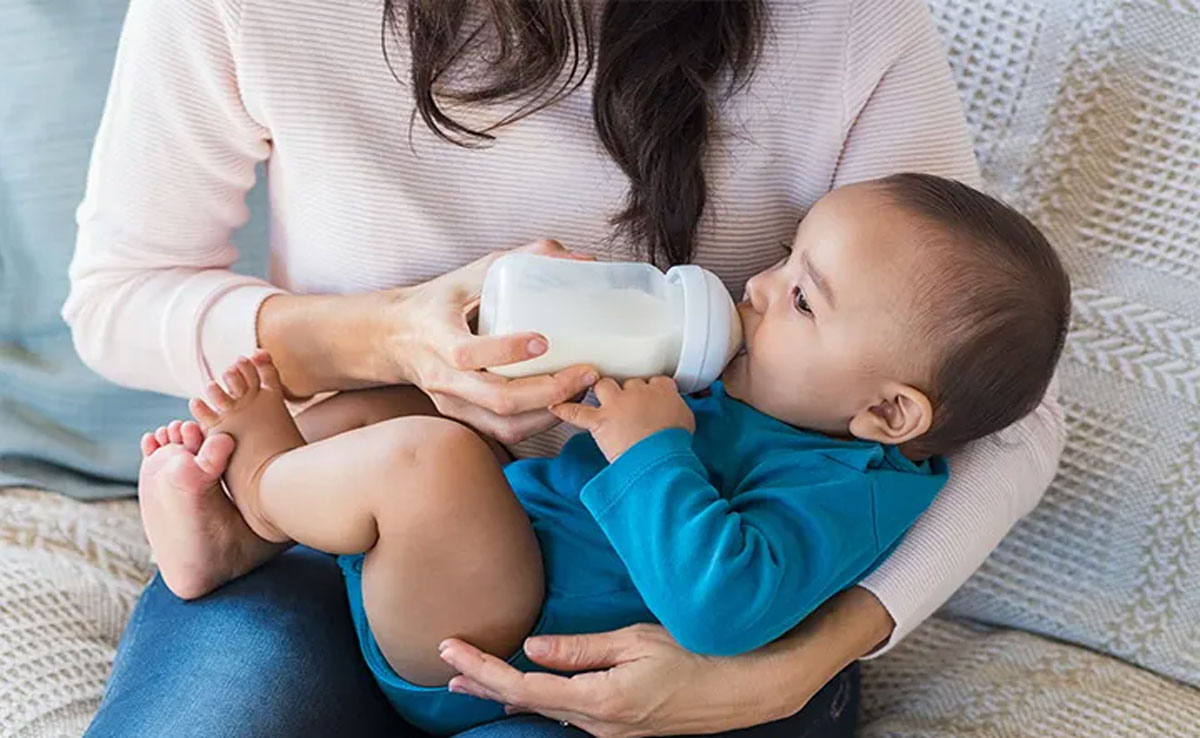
(900, 414)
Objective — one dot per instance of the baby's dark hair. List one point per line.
(999, 304)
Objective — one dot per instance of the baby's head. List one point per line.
(913, 310)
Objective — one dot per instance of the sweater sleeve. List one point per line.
(153, 304)
(903, 113)
(725, 576)
(994, 482)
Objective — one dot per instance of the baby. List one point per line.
(913, 315)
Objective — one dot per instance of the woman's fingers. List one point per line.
(581, 652)
(480, 352)
(544, 247)
(502, 683)
(507, 429)
(512, 396)
(465, 685)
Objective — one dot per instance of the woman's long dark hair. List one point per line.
(658, 64)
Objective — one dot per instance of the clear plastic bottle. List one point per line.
(627, 319)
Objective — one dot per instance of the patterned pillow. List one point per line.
(1087, 116)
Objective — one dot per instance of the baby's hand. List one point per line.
(628, 414)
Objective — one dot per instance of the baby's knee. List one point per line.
(444, 442)
(439, 466)
(419, 441)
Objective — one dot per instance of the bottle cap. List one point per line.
(712, 329)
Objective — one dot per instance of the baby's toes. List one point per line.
(248, 374)
(206, 416)
(214, 454)
(217, 398)
(160, 435)
(266, 370)
(149, 444)
(193, 436)
(173, 434)
(235, 384)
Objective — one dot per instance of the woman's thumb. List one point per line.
(550, 247)
(578, 652)
(545, 247)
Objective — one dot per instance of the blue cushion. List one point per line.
(62, 426)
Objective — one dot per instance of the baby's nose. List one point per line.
(754, 296)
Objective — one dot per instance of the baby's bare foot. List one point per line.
(198, 537)
(251, 409)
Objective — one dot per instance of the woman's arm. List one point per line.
(903, 114)
(994, 482)
(153, 304)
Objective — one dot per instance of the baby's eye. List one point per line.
(800, 301)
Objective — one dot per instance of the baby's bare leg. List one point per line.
(358, 408)
(449, 551)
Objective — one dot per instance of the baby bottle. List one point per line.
(627, 319)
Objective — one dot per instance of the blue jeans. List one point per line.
(274, 654)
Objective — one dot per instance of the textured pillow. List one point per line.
(61, 426)
(1087, 116)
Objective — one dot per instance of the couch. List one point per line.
(1086, 620)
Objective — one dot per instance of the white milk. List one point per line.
(623, 332)
(627, 319)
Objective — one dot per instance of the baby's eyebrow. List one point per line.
(818, 279)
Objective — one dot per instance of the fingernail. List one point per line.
(536, 647)
(443, 646)
(537, 347)
(591, 378)
(455, 688)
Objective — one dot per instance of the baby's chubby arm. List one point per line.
(629, 413)
(723, 576)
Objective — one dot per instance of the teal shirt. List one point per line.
(733, 534)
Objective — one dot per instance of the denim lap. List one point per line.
(274, 654)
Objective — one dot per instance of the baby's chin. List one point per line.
(734, 378)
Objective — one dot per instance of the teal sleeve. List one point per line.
(725, 576)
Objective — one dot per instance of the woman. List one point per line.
(670, 131)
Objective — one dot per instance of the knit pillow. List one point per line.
(1087, 117)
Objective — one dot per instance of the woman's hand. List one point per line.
(648, 685)
(419, 335)
(429, 339)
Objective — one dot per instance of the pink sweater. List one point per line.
(204, 90)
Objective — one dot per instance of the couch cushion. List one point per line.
(1087, 116)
